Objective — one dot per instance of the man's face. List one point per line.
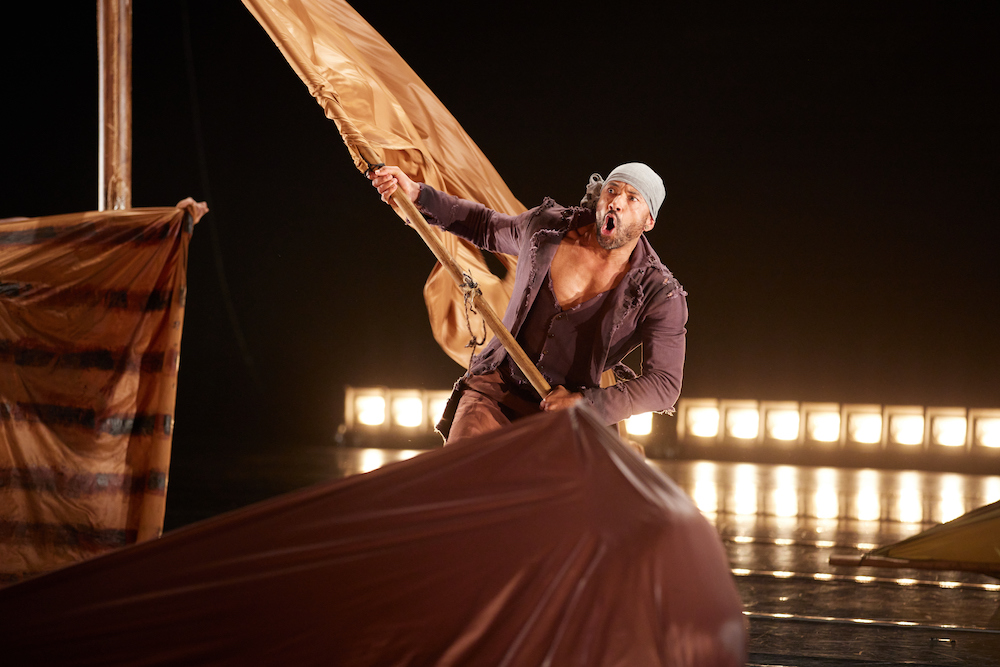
(622, 215)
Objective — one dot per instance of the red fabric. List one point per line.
(546, 542)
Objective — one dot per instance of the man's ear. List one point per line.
(650, 223)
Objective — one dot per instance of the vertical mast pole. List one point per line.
(114, 100)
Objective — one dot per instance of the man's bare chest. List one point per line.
(579, 275)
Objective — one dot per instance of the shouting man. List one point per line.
(588, 290)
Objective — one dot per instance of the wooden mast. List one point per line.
(114, 56)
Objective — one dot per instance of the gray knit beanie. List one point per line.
(643, 179)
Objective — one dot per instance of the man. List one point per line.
(589, 288)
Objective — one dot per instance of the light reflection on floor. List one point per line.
(373, 459)
(780, 525)
(752, 490)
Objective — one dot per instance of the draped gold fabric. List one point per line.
(972, 538)
(91, 309)
(378, 101)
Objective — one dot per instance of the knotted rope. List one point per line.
(470, 290)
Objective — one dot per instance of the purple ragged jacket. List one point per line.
(648, 306)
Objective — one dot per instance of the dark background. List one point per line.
(831, 169)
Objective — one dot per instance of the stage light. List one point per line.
(948, 427)
(823, 425)
(985, 425)
(407, 411)
(436, 403)
(742, 423)
(698, 419)
(641, 424)
(781, 421)
(988, 432)
(369, 410)
(864, 424)
(906, 425)
(703, 422)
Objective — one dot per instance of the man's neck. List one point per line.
(617, 257)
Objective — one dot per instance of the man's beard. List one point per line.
(617, 239)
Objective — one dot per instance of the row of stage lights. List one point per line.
(417, 411)
(859, 427)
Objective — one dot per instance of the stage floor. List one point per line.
(779, 524)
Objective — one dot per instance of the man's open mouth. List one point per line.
(609, 224)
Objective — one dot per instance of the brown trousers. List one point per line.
(487, 403)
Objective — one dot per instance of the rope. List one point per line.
(371, 167)
(470, 290)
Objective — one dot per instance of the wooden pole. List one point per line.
(357, 144)
(514, 349)
(114, 100)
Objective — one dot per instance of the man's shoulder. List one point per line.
(658, 277)
(551, 214)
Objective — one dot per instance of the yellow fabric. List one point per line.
(91, 310)
(971, 538)
(375, 98)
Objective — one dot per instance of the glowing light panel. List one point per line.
(641, 424)
(435, 409)
(703, 422)
(742, 423)
(370, 410)
(864, 427)
(782, 424)
(824, 426)
(948, 431)
(408, 411)
(906, 429)
(988, 432)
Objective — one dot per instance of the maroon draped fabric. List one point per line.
(547, 542)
